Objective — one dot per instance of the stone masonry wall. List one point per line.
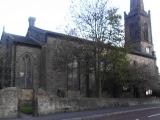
(56, 74)
(49, 105)
(142, 60)
(8, 103)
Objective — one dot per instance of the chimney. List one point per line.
(31, 21)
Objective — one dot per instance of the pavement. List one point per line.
(145, 112)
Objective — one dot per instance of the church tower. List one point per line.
(138, 33)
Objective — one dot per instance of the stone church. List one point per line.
(29, 58)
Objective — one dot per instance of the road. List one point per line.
(150, 112)
(141, 114)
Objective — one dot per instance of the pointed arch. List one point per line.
(145, 32)
(27, 71)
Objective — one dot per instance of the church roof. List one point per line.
(19, 39)
(59, 35)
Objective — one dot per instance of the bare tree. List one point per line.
(96, 21)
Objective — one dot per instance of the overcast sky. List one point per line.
(52, 15)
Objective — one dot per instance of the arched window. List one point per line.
(27, 83)
(73, 83)
(145, 32)
(134, 33)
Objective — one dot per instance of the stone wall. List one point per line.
(8, 103)
(48, 104)
(142, 61)
(56, 72)
(55, 78)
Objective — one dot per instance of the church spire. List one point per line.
(138, 30)
(136, 5)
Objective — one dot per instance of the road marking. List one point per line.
(154, 115)
(137, 119)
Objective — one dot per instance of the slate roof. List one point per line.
(20, 39)
(60, 35)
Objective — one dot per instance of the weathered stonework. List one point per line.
(141, 60)
(49, 104)
(56, 78)
(35, 62)
(8, 103)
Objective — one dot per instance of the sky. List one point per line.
(54, 14)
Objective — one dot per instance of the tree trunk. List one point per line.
(97, 74)
(87, 78)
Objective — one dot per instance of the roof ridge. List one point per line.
(57, 33)
(13, 34)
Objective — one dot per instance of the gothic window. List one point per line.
(73, 83)
(27, 83)
(134, 33)
(145, 32)
(130, 30)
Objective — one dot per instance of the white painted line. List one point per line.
(154, 115)
(135, 110)
(137, 119)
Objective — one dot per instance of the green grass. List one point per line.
(26, 109)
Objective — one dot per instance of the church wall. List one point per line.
(142, 60)
(57, 75)
(2, 65)
(147, 65)
(146, 45)
(35, 53)
(55, 79)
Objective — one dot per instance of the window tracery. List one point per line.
(27, 71)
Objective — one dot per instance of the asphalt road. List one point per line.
(151, 112)
(146, 114)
